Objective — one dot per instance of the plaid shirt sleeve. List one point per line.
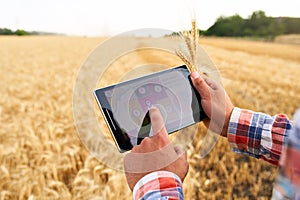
(159, 185)
(287, 185)
(257, 134)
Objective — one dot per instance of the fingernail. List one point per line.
(152, 108)
(195, 75)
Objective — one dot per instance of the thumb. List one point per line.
(200, 85)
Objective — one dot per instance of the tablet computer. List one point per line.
(125, 106)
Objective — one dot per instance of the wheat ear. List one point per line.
(186, 61)
(191, 41)
(195, 39)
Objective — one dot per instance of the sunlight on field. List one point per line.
(41, 156)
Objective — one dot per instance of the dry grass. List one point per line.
(283, 51)
(288, 39)
(41, 156)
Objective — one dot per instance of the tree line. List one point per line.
(20, 32)
(256, 25)
(6, 31)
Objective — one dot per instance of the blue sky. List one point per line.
(111, 17)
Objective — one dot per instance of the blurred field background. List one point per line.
(41, 156)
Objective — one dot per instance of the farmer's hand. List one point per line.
(215, 103)
(155, 153)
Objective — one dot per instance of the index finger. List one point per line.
(157, 121)
(158, 127)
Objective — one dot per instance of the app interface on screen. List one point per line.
(127, 105)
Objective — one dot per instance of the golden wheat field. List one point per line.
(41, 156)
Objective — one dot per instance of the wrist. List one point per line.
(227, 121)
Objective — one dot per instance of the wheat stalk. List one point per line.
(191, 41)
(186, 60)
(195, 40)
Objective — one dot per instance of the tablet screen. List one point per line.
(126, 105)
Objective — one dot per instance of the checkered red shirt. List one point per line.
(257, 134)
(251, 133)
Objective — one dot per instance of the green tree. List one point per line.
(5, 31)
(20, 32)
(227, 26)
(256, 25)
(292, 25)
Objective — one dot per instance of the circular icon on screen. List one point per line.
(136, 112)
(142, 90)
(157, 88)
(148, 103)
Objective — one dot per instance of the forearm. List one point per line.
(258, 135)
(159, 185)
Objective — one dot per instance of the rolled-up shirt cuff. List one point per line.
(245, 132)
(157, 185)
(257, 134)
